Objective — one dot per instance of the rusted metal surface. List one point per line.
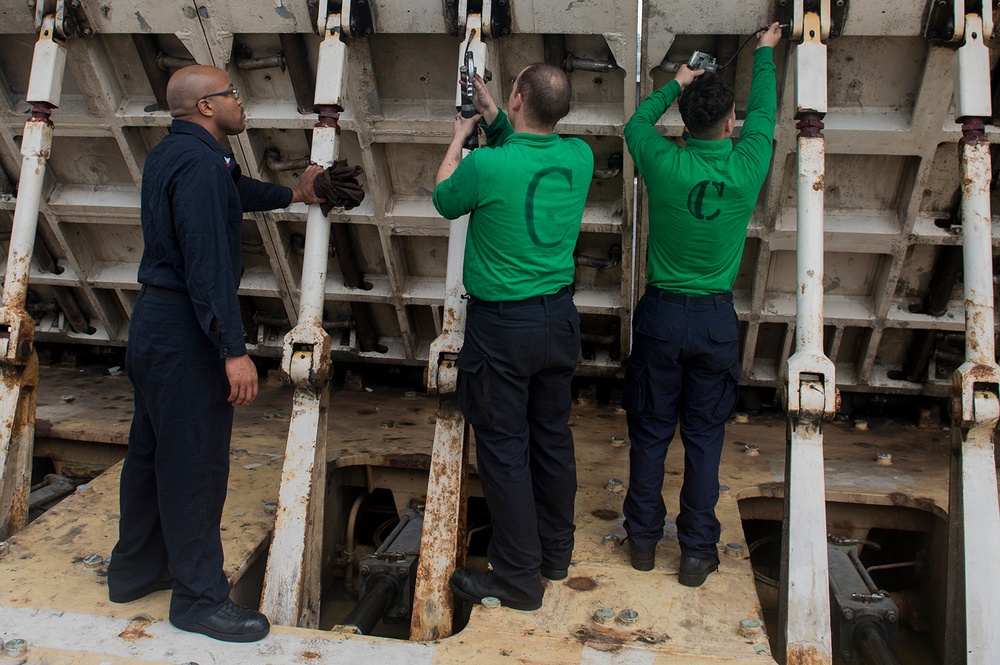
(807, 656)
(804, 606)
(442, 545)
(18, 390)
(292, 590)
(974, 515)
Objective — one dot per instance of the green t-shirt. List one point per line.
(526, 193)
(701, 196)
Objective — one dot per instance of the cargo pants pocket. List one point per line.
(474, 388)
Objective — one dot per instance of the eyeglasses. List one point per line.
(235, 92)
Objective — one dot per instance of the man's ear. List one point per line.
(730, 125)
(517, 103)
(205, 108)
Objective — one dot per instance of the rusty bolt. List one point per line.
(741, 417)
(85, 488)
(628, 617)
(490, 602)
(410, 394)
(15, 647)
(883, 459)
(614, 485)
(619, 411)
(848, 613)
(271, 506)
(734, 550)
(618, 441)
(860, 424)
(610, 540)
(388, 424)
(4, 548)
(751, 449)
(723, 489)
(749, 628)
(604, 616)
(93, 561)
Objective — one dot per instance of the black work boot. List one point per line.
(643, 560)
(232, 623)
(695, 569)
(473, 587)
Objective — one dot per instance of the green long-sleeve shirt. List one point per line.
(526, 193)
(701, 196)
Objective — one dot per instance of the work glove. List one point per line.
(339, 185)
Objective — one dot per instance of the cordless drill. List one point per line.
(468, 109)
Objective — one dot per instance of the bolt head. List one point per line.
(365, 570)
(848, 613)
(891, 617)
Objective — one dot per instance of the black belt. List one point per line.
(169, 294)
(681, 299)
(534, 300)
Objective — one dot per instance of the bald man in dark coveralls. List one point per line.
(187, 360)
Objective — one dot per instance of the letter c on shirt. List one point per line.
(529, 202)
(696, 199)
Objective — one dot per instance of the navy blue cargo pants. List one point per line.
(173, 483)
(514, 386)
(684, 367)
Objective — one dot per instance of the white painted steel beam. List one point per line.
(804, 599)
(18, 361)
(442, 543)
(292, 581)
(974, 508)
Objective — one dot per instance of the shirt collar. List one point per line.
(196, 130)
(710, 147)
(538, 139)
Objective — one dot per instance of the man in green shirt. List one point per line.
(526, 193)
(684, 365)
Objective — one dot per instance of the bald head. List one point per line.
(205, 96)
(546, 94)
(189, 85)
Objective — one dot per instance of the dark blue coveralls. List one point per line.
(176, 471)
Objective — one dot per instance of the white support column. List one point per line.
(804, 600)
(292, 581)
(974, 508)
(442, 543)
(18, 362)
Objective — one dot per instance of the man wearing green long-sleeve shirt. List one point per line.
(526, 192)
(684, 365)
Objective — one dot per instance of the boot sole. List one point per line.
(228, 637)
(513, 604)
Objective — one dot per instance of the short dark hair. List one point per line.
(546, 94)
(705, 104)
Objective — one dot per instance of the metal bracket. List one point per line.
(356, 17)
(17, 331)
(497, 16)
(946, 20)
(832, 13)
(306, 356)
(71, 18)
(804, 402)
